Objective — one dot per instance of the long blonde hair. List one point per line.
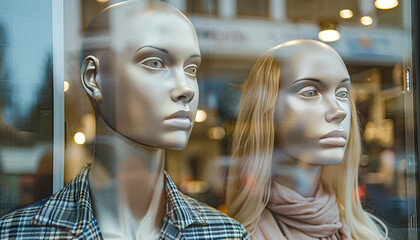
(249, 175)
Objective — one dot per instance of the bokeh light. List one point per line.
(346, 13)
(201, 116)
(79, 138)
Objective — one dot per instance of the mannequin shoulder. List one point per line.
(217, 224)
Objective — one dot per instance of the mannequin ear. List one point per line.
(88, 73)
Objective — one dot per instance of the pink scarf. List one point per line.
(302, 218)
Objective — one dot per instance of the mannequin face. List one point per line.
(156, 91)
(312, 113)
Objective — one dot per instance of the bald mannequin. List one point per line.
(149, 108)
(139, 63)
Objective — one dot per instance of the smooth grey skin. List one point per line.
(144, 92)
(312, 102)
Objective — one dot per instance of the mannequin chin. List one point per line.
(328, 157)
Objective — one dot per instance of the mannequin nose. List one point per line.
(336, 113)
(183, 90)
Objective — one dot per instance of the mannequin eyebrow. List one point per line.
(157, 48)
(318, 81)
(307, 79)
(165, 51)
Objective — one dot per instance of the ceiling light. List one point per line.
(346, 13)
(386, 4)
(366, 20)
(328, 31)
(329, 35)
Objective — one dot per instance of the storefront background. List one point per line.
(232, 34)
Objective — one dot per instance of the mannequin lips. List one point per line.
(336, 138)
(181, 119)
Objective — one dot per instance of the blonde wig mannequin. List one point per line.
(249, 176)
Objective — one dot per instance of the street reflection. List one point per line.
(26, 109)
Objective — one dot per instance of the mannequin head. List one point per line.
(297, 100)
(312, 111)
(140, 72)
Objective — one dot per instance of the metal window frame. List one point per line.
(58, 93)
(414, 220)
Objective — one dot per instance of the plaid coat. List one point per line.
(68, 215)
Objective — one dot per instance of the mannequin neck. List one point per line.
(294, 174)
(126, 181)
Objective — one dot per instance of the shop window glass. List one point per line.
(26, 109)
(377, 56)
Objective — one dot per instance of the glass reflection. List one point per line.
(26, 109)
(232, 35)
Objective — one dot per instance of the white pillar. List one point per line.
(181, 5)
(367, 8)
(406, 10)
(73, 25)
(58, 96)
(277, 9)
(227, 8)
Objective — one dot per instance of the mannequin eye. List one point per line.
(308, 93)
(343, 93)
(191, 70)
(153, 63)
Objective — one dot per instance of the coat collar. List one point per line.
(180, 208)
(71, 207)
